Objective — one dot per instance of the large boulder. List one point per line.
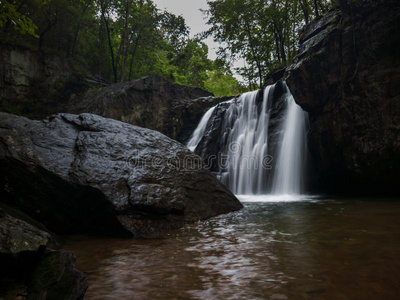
(152, 102)
(30, 268)
(80, 173)
(347, 76)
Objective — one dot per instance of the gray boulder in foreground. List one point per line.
(85, 173)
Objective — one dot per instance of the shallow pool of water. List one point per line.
(275, 248)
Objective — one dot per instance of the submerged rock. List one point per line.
(347, 76)
(31, 269)
(80, 173)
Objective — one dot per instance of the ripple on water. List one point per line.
(308, 249)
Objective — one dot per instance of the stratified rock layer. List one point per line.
(347, 76)
(80, 173)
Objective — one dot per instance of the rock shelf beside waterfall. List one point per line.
(85, 173)
(346, 75)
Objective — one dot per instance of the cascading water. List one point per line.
(289, 170)
(248, 147)
(247, 143)
(199, 132)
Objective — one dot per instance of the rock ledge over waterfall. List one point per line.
(85, 173)
(347, 76)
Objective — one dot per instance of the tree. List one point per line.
(222, 84)
(122, 40)
(10, 14)
(105, 12)
(125, 40)
(263, 32)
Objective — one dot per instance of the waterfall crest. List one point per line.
(261, 151)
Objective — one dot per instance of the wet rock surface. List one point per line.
(85, 173)
(31, 265)
(347, 76)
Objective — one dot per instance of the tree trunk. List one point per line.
(126, 40)
(280, 40)
(103, 11)
(78, 28)
(304, 8)
(47, 29)
(135, 49)
(254, 54)
(133, 57)
(316, 9)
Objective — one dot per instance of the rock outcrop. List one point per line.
(34, 84)
(81, 173)
(30, 266)
(347, 76)
(151, 102)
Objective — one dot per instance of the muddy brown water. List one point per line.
(272, 249)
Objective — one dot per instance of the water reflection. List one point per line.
(270, 250)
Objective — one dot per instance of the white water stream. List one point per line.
(246, 125)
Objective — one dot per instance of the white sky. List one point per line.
(190, 10)
(194, 18)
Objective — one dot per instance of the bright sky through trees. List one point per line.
(190, 10)
(195, 19)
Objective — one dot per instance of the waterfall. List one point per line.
(289, 175)
(199, 132)
(262, 141)
(247, 144)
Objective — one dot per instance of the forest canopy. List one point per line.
(263, 32)
(122, 40)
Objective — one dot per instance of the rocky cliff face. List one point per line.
(90, 174)
(34, 84)
(152, 102)
(347, 76)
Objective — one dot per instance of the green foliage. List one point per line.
(263, 32)
(222, 84)
(122, 40)
(9, 14)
